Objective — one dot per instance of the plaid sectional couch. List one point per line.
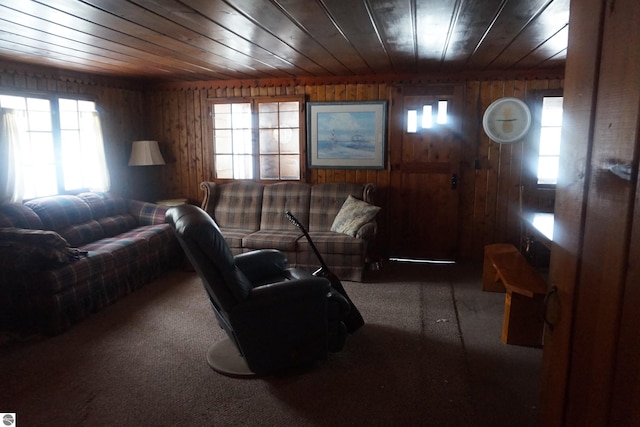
(251, 215)
(64, 257)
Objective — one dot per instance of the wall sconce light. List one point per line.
(145, 153)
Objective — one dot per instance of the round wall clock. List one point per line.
(506, 120)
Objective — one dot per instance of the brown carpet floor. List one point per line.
(429, 355)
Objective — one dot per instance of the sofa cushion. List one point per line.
(330, 242)
(111, 212)
(123, 249)
(354, 214)
(156, 235)
(281, 197)
(104, 204)
(83, 233)
(117, 224)
(326, 201)
(234, 238)
(59, 212)
(238, 205)
(126, 248)
(270, 239)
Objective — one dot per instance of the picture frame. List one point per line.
(347, 135)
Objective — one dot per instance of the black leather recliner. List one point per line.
(276, 317)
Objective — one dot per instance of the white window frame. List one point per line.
(65, 145)
(540, 152)
(246, 148)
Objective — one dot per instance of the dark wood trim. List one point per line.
(396, 79)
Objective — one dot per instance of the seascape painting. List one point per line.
(346, 134)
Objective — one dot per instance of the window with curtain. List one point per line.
(56, 147)
(257, 138)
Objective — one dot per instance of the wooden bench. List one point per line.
(506, 270)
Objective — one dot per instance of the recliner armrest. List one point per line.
(282, 292)
(261, 265)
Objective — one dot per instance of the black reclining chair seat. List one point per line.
(277, 317)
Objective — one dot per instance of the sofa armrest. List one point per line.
(210, 197)
(368, 231)
(147, 213)
(368, 193)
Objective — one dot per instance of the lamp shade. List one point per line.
(145, 153)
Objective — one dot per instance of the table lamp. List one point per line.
(145, 153)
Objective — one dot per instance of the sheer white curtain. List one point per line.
(95, 162)
(11, 183)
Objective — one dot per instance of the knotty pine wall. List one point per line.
(175, 114)
(491, 174)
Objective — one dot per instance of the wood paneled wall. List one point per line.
(175, 115)
(492, 175)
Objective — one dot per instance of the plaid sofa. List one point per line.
(251, 216)
(64, 257)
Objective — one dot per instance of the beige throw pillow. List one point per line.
(353, 214)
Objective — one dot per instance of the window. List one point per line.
(257, 138)
(427, 116)
(59, 146)
(549, 141)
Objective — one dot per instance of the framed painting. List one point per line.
(346, 135)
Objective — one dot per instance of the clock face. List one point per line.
(507, 120)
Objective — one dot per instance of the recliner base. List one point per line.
(225, 358)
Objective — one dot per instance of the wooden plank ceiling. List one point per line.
(190, 40)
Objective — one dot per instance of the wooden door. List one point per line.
(591, 360)
(425, 166)
(580, 94)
